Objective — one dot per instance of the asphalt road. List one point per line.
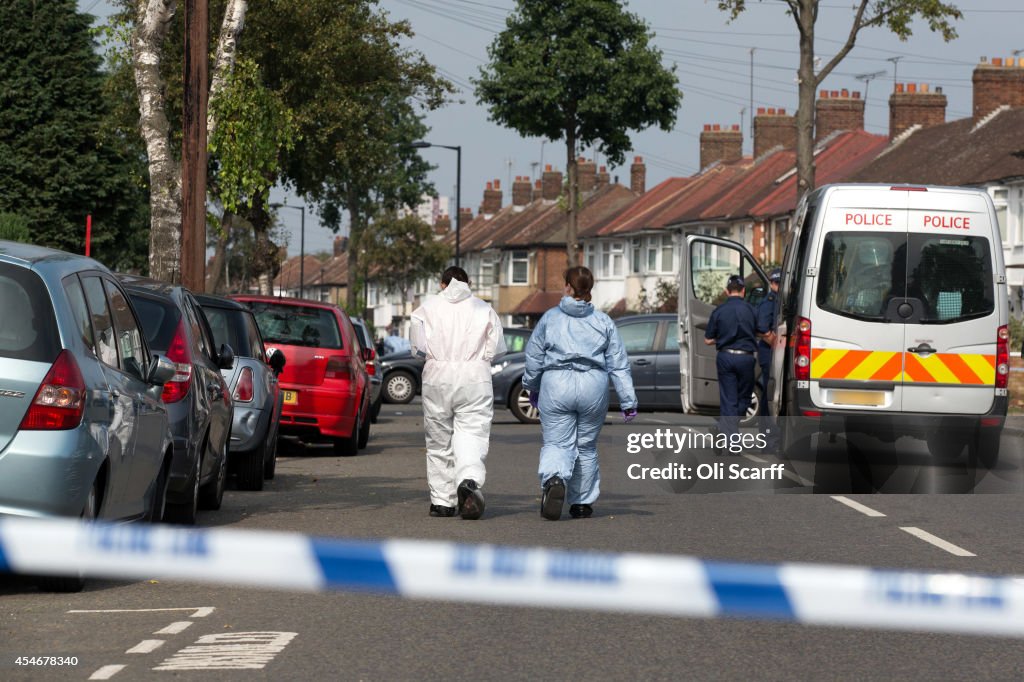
(159, 629)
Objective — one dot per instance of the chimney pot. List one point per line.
(782, 112)
(823, 94)
(490, 185)
(547, 167)
(497, 184)
(771, 111)
(638, 159)
(707, 126)
(899, 87)
(760, 111)
(735, 127)
(833, 94)
(845, 92)
(997, 61)
(856, 94)
(912, 87)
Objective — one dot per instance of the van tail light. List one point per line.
(802, 350)
(178, 387)
(244, 389)
(60, 400)
(1003, 357)
(338, 367)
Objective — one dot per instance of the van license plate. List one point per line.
(291, 397)
(874, 398)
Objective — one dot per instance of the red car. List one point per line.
(324, 381)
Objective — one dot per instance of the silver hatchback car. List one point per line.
(83, 432)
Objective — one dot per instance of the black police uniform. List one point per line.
(765, 323)
(733, 326)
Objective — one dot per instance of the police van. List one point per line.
(891, 318)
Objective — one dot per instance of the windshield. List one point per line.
(297, 325)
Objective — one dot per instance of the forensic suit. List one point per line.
(571, 354)
(459, 335)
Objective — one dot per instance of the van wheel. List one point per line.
(983, 448)
(520, 405)
(68, 583)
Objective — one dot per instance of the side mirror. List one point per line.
(276, 361)
(161, 370)
(367, 354)
(226, 357)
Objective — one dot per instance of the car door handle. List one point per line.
(641, 362)
(922, 349)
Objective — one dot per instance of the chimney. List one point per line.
(442, 225)
(638, 175)
(996, 83)
(537, 191)
(586, 174)
(340, 245)
(492, 198)
(602, 176)
(551, 184)
(466, 214)
(719, 144)
(912, 104)
(521, 191)
(773, 128)
(837, 110)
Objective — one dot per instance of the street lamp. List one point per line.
(420, 144)
(302, 242)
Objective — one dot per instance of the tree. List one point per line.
(403, 251)
(579, 70)
(896, 15)
(59, 162)
(15, 228)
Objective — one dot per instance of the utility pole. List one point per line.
(751, 103)
(895, 66)
(193, 147)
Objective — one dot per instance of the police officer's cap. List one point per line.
(775, 275)
(736, 280)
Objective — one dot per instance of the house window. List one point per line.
(372, 296)
(519, 270)
(652, 253)
(486, 277)
(667, 253)
(611, 259)
(636, 254)
(590, 256)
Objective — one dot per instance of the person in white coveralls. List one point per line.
(459, 335)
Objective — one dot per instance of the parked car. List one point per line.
(325, 384)
(652, 343)
(373, 368)
(252, 454)
(403, 373)
(83, 432)
(197, 397)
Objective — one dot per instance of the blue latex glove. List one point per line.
(629, 415)
(534, 399)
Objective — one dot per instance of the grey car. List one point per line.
(254, 389)
(83, 432)
(373, 367)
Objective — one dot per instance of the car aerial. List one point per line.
(83, 432)
(252, 455)
(197, 397)
(325, 384)
(403, 373)
(373, 369)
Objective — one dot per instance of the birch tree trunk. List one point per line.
(227, 50)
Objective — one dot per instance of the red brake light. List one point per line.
(802, 350)
(1002, 357)
(178, 353)
(244, 388)
(338, 367)
(909, 189)
(60, 400)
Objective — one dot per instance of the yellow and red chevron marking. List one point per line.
(873, 365)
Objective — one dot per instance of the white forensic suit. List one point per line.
(459, 335)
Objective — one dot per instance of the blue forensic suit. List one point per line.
(571, 354)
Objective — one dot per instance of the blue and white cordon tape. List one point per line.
(639, 583)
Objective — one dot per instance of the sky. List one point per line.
(712, 57)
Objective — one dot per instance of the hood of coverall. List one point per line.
(570, 306)
(456, 291)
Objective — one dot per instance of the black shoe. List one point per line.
(441, 510)
(471, 500)
(552, 498)
(581, 511)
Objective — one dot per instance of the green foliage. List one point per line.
(402, 251)
(579, 70)
(14, 228)
(59, 159)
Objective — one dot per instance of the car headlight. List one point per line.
(498, 366)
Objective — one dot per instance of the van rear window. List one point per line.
(28, 330)
(951, 276)
(297, 325)
(861, 272)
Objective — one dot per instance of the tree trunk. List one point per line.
(216, 272)
(356, 230)
(153, 19)
(805, 109)
(571, 212)
(224, 61)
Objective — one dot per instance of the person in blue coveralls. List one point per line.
(732, 329)
(569, 358)
(766, 327)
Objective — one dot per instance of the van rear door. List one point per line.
(950, 340)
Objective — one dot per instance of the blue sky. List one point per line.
(713, 63)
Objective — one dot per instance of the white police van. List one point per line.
(892, 317)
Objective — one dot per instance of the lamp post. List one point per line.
(302, 243)
(420, 144)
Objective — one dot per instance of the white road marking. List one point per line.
(146, 646)
(200, 612)
(229, 651)
(106, 672)
(852, 504)
(175, 628)
(203, 612)
(938, 542)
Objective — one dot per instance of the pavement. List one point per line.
(868, 495)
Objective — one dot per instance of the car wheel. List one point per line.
(185, 512)
(251, 466)
(211, 495)
(399, 387)
(270, 463)
(750, 417)
(364, 430)
(73, 583)
(375, 409)
(520, 405)
(158, 501)
(348, 447)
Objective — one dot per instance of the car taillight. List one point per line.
(178, 353)
(338, 367)
(371, 368)
(60, 400)
(243, 389)
(1002, 357)
(802, 350)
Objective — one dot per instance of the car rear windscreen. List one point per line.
(28, 330)
(159, 319)
(297, 325)
(228, 327)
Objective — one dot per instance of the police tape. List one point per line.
(562, 579)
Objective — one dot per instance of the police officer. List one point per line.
(732, 329)
(766, 329)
